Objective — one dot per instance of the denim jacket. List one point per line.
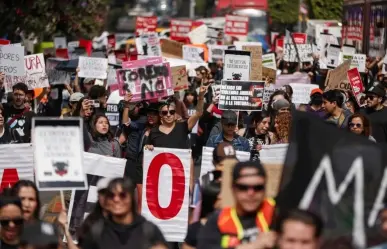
(239, 143)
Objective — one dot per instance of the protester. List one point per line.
(252, 211)
(281, 105)
(190, 100)
(333, 105)
(103, 142)
(5, 136)
(277, 95)
(98, 96)
(360, 125)
(315, 104)
(39, 235)
(74, 99)
(229, 122)
(29, 195)
(282, 128)
(11, 221)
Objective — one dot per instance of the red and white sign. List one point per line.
(111, 40)
(16, 163)
(236, 25)
(165, 195)
(356, 84)
(62, 53)
(300, 38)
(180, 29)
(4, 42)
(145, 24)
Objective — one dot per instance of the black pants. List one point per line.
(133, 170)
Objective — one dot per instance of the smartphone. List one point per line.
(95, 103)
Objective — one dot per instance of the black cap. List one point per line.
(236, 174)
(153, 107)
(229, 117)
(378, 90)
(39, 233)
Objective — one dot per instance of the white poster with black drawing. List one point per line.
(148, 45)
(305, 53)
(237, 65)
(333, 56)
(193, 54)
(83, 202)
(58, 153)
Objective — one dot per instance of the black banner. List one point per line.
(241, 95)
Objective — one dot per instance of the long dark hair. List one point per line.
(28, 184)
(77, 111)
(194, 94)
(127, 186)
(366, 124)
(91, 219)
(210, 194)
(256, 119)
(94, 133)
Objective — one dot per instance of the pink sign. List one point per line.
(146, 79)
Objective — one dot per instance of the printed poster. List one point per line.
(113, 114)
(356, 85)
(92, 67)
(268, 60)
(237, 65)
(11, 60)
(304, 50)
(236, 25)
(180, 29)
(241, 95)
(148, 45)
(145, 24)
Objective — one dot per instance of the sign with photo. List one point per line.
(193, 54)
(92, 67)
(148, 45)
(11, 60)
(237, 65)
(56, 77)
(58, 153)
(304, 50)
(241, 95)
(236, 25)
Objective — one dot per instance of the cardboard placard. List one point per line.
(256, 61)
(337, 75)
(171, 48)
(269, 75)
(179, 78)
(92, 67)
(237, 65)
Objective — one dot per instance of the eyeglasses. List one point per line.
(121, 195)
(7, 222)
(244, 188)
(171, 112)
(352, 125)
(371, 97)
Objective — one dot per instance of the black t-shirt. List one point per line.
(192, 233)
(378, 121)
(210, 236)
(176, 139)
(4, 245)
(19, 122)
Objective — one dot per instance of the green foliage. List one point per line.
(47, 18)
(326, 9)
(284, 11)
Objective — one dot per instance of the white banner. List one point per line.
(273, 154)
(165, 199)
(193, 54)
(268, 60)
(11, 60)
(92, 67)
(207, 157)
(301, 92)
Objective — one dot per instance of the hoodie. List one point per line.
(102, 146)
(319, 113)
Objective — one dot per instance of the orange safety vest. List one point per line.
(231, 228)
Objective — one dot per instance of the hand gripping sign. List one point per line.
(165, 197)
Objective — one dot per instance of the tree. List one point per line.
(47, 18)
(326, 9)
(284, 11)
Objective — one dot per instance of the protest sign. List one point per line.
(82, 202)
(4, 42)
(11, 60)
(146, 79)
(301, 92)
(72, 45)
(35, 70)
(112, 76)
(236, 65)
(60, 42)
(268, 60)
(113, 114)
(241, 95)
(180, 29)
(145, 24)
(62, 53)
(336, 76)
(269, 75)
(167, 207)
(239, 44)
(256, 61)
(179, 78)
(198, 35)
(342, 178)
(286, 79)
(207, 158)
(171, 48)
(56, 77)
(357, 87)
(149, 45)
(300, 38)
(268, 91)
(304, 51)
(236, 25)
(333, 56)
(215, 35)
(216, 52)
(58, 153)
(194, 54)
(358, 61)
(15, 164)
(77, 52)
(90, 67)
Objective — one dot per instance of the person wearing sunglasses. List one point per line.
(376, 112)
(360, 125)
(246, 224)
(11, 221)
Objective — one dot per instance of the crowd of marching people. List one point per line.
(116, 222)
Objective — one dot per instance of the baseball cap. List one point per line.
(281, 103)
(222, 151)
(378, 90)
(236, 173)
(316, 90)
(75, 97)
(103, 183)
(229, 117)
(39, 233)
(88, 80)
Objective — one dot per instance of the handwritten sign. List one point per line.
(193, 54)
(35, 69)
(92, 67)
(179, 78)
(301, 92)
(256, 61)
(336, 76)
(11, 60)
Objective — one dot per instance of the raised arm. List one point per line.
(199, 108)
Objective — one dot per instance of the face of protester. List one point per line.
(19, 98)
(350, 106)
(102, 125)
(228, 128)
(118, 202)
(249, 190)
(168, 114)
(372, 100)
(29, 202)
(153, 118)
(88, 111)
(277, 97)
(11, 220)
(190, 98)
(356, 126)
(284, 109)
(297, 235)
(263, 126)
(329, 107)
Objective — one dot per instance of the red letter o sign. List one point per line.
(178, 186)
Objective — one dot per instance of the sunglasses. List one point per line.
(121, 195)
(352, 125)
(165, 113)
(7, 222)
(244, 188)
(371, 97)
(230, 124)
